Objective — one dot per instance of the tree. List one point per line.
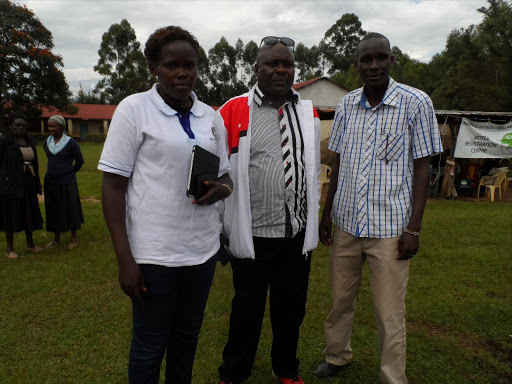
(407, 70)
(339, 45)
(495, 34)
(457, 80)
(474, 71)
(86, 97)
(308, 62)
(203, 74)
(122, 64)
(350, 79)
(464, 74)
(30, 75)
(224, 73)
(249, 59)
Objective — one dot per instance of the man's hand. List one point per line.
(325, 229)
(131, 280)
(408, 246)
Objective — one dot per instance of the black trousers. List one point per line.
(279, 265)
(169, 322)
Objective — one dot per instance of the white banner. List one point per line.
(483, 140)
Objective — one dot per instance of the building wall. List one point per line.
(323, 93)
(82, 128)
(326, 127)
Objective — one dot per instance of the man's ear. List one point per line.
(355, 65)
(256, 68)
(392, 59)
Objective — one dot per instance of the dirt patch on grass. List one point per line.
(501, 352)
(90, 199)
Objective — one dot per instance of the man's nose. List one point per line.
(374, 63)
(281, 68)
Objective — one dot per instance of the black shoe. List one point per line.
(326, 370)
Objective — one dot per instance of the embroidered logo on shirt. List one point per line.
(215, 134)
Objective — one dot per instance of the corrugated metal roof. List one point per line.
(304, 83)
(85, 112)
(473, 113)
(310, 81)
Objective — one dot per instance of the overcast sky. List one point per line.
(419, 28)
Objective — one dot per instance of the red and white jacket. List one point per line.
(237, 115)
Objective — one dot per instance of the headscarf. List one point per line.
(56, 148)
(59, 120)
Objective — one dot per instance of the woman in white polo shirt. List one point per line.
(165, 242)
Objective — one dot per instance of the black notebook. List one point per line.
(204, 166)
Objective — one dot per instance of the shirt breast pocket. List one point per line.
(390, 146)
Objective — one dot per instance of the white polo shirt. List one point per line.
(147, 144)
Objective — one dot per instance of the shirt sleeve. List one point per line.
(222, 145)
(122, 143)
(338, 126)
(426, 139)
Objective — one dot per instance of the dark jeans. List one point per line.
(169, 319)
(280, 265)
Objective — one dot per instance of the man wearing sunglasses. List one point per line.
(271, 218)
(384, 135)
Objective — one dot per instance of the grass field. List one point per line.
(63, 318)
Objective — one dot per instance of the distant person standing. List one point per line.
(449, 176)
(384, 134)
(61, 197)
(19, 185)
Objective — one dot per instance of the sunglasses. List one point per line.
(272, 40)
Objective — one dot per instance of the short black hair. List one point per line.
(266, 47)
(165, 35)
(372, 35)
(10, 120)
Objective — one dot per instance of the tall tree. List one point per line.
(30, 74)
(223, 73)
(249, 59)
(122, 64)
(407, 70)
(464, 79)
(339, 45)
(350, 79)
(308, 62)
(88, 97)
(203, 74)
(495, 33)
(474, 71)
(245, 59)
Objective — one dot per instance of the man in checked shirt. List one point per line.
(384, 134)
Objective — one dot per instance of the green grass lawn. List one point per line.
(64, 319)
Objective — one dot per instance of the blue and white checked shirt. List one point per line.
(377, 148)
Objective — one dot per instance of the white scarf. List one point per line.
(56, 148)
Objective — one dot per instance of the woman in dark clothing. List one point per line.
(61, 198)
(19, 185)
